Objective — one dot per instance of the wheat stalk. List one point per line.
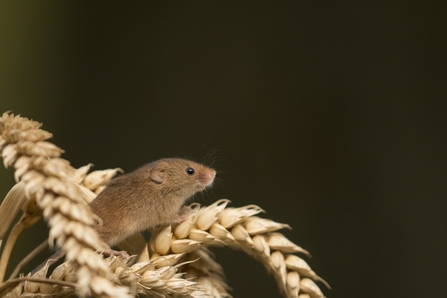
(175, 262)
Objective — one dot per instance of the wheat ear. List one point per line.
(49, 181)
(238, 228)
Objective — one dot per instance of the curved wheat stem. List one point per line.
(238, 228)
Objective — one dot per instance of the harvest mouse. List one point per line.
(150, 196)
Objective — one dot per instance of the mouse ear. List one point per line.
(158, 174)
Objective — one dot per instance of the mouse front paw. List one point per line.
(183, 214)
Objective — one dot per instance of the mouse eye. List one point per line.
(190, 171)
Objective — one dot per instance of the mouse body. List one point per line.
(152, 195)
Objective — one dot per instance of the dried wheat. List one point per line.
(175, 262)
(49, 180)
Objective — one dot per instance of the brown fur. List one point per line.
(150, 196)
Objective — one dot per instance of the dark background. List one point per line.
(330, 116)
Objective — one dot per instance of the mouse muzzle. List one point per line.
(206, 178)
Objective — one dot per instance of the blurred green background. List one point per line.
(330, 116)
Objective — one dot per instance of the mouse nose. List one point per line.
(209, 176)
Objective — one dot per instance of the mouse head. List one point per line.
(181, 176)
